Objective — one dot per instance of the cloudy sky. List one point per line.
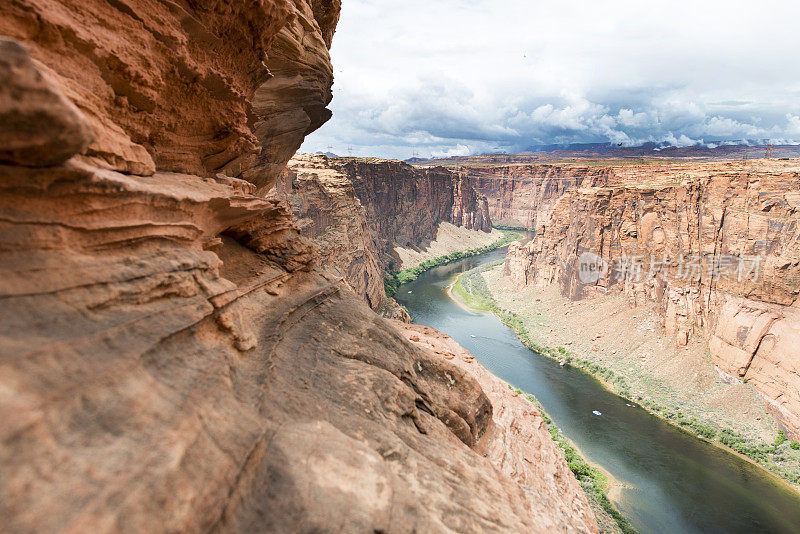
(452, 77)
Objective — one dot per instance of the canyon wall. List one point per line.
(524, 194)
(406, 204)
(358, 211)
(715, 245)
(172, 357)
(517, 438)
(325, 207)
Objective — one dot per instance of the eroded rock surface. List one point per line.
(732, 228)
(325, 207)
(171, 359)
(406, 204)
(525, 194)
(170, 85)
(292, 102)
(38, 125)
(360, 211)
(517, 440)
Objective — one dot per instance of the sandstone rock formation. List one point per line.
(291, 103)
(171, 358)
(325, 207)
(516, 440)
(359, 211)
(524, 194)
(729, 233)
(38, 126)
(406, 204)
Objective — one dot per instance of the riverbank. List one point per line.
(623, 349)
(669, 481)
(511, 225)
(596, 483)
(393, 280)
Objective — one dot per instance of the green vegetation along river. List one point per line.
(671, 481)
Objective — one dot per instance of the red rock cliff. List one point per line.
(325, 207)
(402, 204)
(358, 211)
(171, 359)
(406, 204)
(727, 218)
(524, 194)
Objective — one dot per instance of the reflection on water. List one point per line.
(672, 482)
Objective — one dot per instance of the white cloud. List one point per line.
(793, 128)
(627, 117)
(458, 150)
(435, 77)
(681, 141)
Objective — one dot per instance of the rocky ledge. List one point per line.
(516, 440)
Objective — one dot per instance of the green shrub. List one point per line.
(513, 227)
(701, 429)
(795, 444)
(781, 438)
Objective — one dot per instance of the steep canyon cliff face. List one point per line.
(358, 211)
(524, 194)
(718, 251)
(406, 204)
(326, 209)
(172, 358)
(516, 439)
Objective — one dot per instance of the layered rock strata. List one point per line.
(326, 209)
(292, 102)
(406, 204)
(715, 245)
(517, 440)
(360, 212)
(524, 194)
(170, 357)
